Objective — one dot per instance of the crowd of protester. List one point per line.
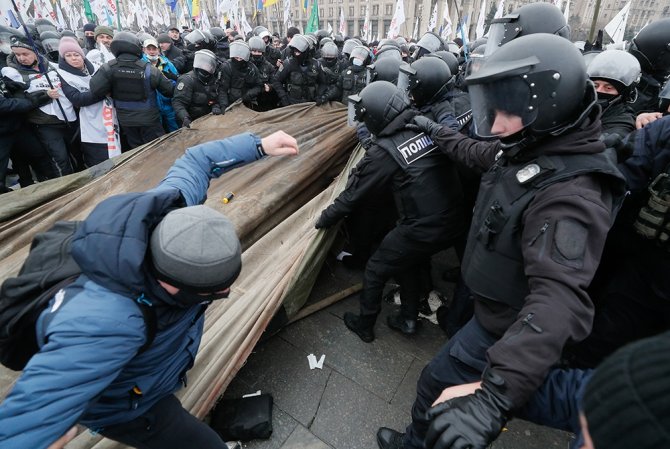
(543, 163)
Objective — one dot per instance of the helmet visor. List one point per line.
(501, 31)
(403, 81)
(50, 45)
(204, 61)
(501, 108)
(353, 103)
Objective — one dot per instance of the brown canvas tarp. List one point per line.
(284, 252)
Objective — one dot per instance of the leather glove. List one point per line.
(320, 101)
(470, 422)
(14, 86)
(623, 147)
(325, 221)
(39, 98)
(186, 123)
(217, 110)
(424, 124)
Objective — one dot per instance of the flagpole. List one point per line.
(596, 11)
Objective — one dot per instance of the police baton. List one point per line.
(40, 62)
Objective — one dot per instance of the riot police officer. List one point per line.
(239, 78)
(427, 196)
(329, 91)
(615, 74)
(197, 92)
(353, 78)
(298, 79)
(195, 40)
(132, 84)
(267, 98)
(545, 204)
(272, 54)
(651, 47)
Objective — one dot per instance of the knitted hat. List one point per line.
(627, 401)
(69, 44)
(89, 27)
(102, 29)
(164, 38)
(20, 41)
(196, 248)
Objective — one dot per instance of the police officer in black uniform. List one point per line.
(615, 74)
(271, 54)
(222, 50)
(651, 47)
(545, 204)
(132, 84)
(427, 196)
(267, 99)
(195, 40)
(197, 92)
(329, 91)
(239, 77)
(298, 79)
(353, 78)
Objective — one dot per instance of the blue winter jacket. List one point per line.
(91, 332)
(168, 116)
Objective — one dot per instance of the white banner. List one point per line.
(617, 25)
(479, 31)
(397, 21)
(343, 25)
(433, 19)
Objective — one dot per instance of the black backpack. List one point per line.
(48, 268)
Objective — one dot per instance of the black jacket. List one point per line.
(193, 98)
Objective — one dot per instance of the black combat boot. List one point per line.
(361, 325)
(402, 324)
(389, 438)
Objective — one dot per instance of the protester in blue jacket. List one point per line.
(90, 368)
(152, 54)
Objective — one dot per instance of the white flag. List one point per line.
(566, 13)
(366, 24)
(398, 19)
(287, 14)
(479, 31)
(433, 19)
(329, 28)
(617, 25)
(343, 24)
(204, 19)
(501, 10)
(243, 22)
(415, 33)
(446, 19)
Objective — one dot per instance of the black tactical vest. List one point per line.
(493, 265)
(129, 80)
(429, 184)
(302, 82)
(353, 81)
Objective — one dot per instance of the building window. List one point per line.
(320, 12)
(388, 9)
(363, 10)
(351, 11)
(330, 12)
(375, 10)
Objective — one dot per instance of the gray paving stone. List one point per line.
(377, 366)
(525, 435)
(406, 392)
(301, 438)
(349, 415)
(282, 427)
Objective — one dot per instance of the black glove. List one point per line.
(186, 123)
(325, 221)
(217, 110)
(623, 147)
(321, 100)
(425, 125)
(14, 86)
(472, 421)
(39, 98)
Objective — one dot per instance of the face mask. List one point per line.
(152, 58)
(239, 65)
(606, 100)
(328, 62)
(257, 58)
(203, 75)
(357, 62)
(90, 41)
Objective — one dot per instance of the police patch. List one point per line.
(180, 86)
(416, 148)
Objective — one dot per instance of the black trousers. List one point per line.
(139, 135)
(58, 141)
(167, 425)
(401, 257)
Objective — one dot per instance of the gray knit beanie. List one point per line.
(196, 248)
(627, 400)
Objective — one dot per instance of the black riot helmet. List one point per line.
(329, 51)
(43, 25)
(538, 81)
(424, 79)
(126, 42)
(218, 33)
(256, 44)
(262, 32)
(388, 51)
(240, 49)
(211, 40)
(360, 55)
(377, 105)
(320, 34)
(529, 19)
(349, 45)
(449, 58)
(430, 42)
(651, 47)
(339, 40)
(324, 41)
(620, 69)
(384, 70)
(196, 40)
(300, 44)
